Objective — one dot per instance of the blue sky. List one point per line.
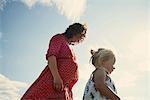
(26, 27)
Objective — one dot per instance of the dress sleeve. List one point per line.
(54, 46)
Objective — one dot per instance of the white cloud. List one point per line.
(133, 98)
(133, 67)
(2, 4)
(127, 80)
(72, 9)
(85, 74)
(31, 3)
(10, 90)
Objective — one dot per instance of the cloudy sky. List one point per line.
(26, 27)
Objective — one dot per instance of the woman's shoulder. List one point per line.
(58, 35)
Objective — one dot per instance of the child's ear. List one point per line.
(103, 62)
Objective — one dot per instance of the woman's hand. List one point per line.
(58, 84)
(52, 64)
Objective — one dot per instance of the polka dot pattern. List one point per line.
(42, 88)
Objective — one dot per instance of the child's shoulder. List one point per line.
(99, 74)
(100, 71)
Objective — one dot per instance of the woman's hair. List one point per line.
(100, 56)
(74, 29)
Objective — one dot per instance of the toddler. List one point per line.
(100, 85)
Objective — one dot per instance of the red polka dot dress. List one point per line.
(42, 88)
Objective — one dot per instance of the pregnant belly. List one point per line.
(68, 71)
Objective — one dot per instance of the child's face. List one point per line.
(109, 65)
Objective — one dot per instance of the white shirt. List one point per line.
(90, 92)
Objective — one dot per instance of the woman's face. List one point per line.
(78, 37)
(109, 65)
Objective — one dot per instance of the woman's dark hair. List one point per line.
(74, 29)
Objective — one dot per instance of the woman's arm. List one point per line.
(52, 64)
(99, 79)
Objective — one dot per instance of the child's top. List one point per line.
(90, 92)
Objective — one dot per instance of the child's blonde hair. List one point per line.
(100, 56)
